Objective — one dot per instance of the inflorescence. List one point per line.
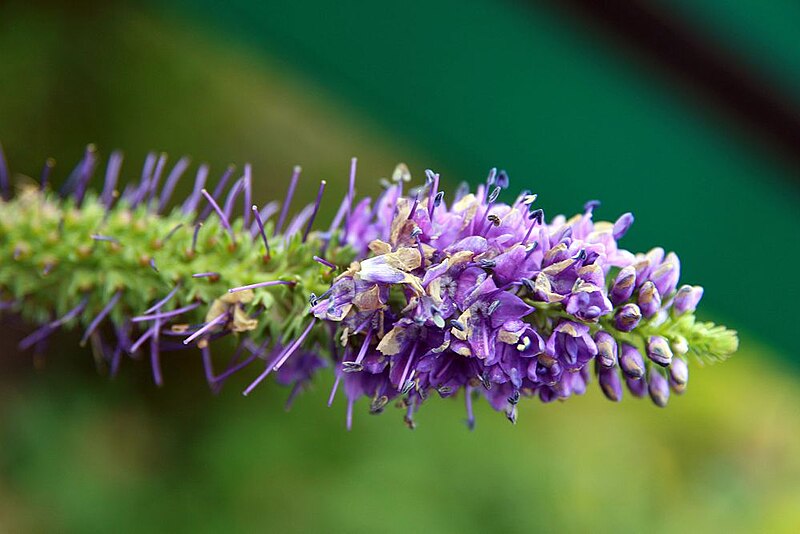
(403, 298)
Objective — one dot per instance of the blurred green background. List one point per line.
(567, 110)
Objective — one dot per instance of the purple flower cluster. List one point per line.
(444, 295)
(490, 298)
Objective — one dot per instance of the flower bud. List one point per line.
(606, 349)
(610, 384)
(649, 299)
(680, 345)
(622, 225)
(623, 286)
(631, 361)
(687, 298)
(627, 317)
(658, 351)
(658, 388)
(637, 386)
(665, 276)
(648, 263)
(678, 375)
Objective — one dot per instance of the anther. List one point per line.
(458, 325)
(352, 367)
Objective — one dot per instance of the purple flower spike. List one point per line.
(423, 294)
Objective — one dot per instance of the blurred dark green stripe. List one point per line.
(565, 113)
(764, 34)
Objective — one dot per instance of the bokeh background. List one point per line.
(685, 113)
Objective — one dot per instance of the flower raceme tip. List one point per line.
(405, 297)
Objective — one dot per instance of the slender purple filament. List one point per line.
(231, 198)
(288, 200)
(49, 328)
(223, 181)
(100, 316)
(281, 359)
(87, 169)
(139, 342)
(262, 284)
(324, 262)
(144, 183)
(190, 204)
(106, 238)
(5, 183)
(432, 193)
(322, 185)
(468, 403)
(350, 193)
(155, 360)
(334, 388)
(222, 317)
(260, 224)
(205, 275)
(46, 170)
(172, 181)
(160, 303)
(153, 187)
(165, 315)
(220, 213)
(248, 192)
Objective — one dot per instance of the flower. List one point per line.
(406, 298)
(462, 297)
